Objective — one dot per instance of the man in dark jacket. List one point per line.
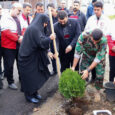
(53, 11)
(90, 10)
(67, 32)
(77, 14)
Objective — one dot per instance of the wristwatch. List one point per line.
(88, 70)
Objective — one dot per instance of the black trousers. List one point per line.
(1, 55)
(66, 61)
(1, 84)
(112, 68)
(9, 56)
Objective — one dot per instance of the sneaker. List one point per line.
(13, 86)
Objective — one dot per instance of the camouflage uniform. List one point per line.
(90, 53)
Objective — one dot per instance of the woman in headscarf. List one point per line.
(33, 58)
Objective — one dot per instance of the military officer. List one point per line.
(92, 46)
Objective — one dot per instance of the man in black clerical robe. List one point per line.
(67, 33)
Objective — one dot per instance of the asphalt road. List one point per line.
(12, 102)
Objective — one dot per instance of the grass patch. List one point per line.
(112, 17)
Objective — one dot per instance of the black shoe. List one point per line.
(13, 86)
(37, 96)
(32, 99)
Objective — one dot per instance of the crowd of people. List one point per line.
(28, 39)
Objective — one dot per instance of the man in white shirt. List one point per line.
(99, 20)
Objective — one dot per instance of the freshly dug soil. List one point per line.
(75, 111)
(78, 106)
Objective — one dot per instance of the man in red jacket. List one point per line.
(111, 44)
(25, 19)
(11, 37)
